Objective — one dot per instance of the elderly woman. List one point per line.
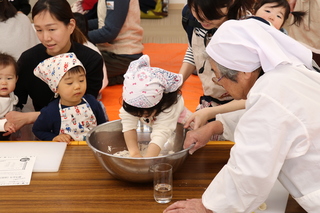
(277, 135)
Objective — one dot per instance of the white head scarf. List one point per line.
(53, 69)
(245, 45)
(143, 86)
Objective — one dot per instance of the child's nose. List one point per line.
(271, 17)
(76, 85)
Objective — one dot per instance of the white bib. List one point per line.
(77, 121)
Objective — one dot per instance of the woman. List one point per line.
(118, 35)
(277, 135)
(210, 14)
(12, 26)
(57, 31)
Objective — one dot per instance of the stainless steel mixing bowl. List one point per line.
(107, 139)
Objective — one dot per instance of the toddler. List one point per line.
(8, 79)
(75, 113)
(276, 12)
(153, 96)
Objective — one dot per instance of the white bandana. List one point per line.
(53, 69)
(245, 45)
(143, 86)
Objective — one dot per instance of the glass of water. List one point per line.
(162, 182)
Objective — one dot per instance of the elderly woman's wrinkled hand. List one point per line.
(201, 136)
(188, 206)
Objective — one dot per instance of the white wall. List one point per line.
(177, 1)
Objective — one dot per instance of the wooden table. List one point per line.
(81, 185)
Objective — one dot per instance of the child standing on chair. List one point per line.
(153, 96)
(8, 79)
(74, 114)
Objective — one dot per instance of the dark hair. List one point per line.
(7, 10)
(297, 15)
(75, 70)
(61, 10)
(82, 23)
(167, 100)
(7, 60)
(211, 9)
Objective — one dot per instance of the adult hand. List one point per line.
(187, 206)
(19, 119)
(201, 136)
(292, 4)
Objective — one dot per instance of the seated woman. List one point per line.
(12, 25)
(57, 31)
(277, 134)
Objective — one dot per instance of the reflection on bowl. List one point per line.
(107, 139)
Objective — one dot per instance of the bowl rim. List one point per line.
(143, 158)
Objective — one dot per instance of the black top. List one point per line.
(39, 91)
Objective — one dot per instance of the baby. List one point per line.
(277, 12)
(8, 79)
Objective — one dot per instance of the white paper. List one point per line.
(16, 170)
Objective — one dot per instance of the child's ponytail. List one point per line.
(297, 17)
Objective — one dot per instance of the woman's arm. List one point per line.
(186, 70)
(113, 23)
(201, 117)
(19, 119)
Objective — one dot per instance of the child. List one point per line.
(8, 79)
(276, 12)
(151, 95)
(71, 116)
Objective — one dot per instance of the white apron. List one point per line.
(77, 121)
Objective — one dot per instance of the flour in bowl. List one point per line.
(167, 150)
